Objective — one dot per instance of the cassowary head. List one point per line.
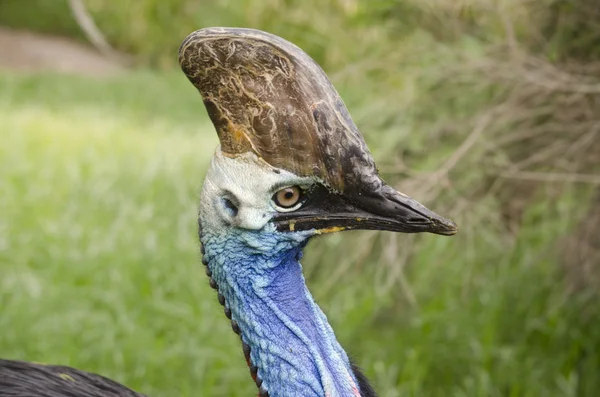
(290, 154)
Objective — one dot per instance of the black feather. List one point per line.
(365, 388)
(23, 379)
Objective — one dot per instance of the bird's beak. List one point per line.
(383, 208)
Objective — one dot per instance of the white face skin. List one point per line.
(249, 183)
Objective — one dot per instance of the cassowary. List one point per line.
(291, 165)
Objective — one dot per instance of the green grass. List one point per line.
(99, 263)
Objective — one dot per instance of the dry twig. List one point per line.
(93, 33)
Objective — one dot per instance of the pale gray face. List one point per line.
(238, 192)
(244, 192)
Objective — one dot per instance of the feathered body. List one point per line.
(23, 379)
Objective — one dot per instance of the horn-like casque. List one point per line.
(265, 95)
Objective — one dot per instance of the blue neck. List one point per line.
(291, 343)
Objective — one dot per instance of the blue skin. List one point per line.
(259, 274)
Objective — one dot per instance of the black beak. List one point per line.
(380, 209)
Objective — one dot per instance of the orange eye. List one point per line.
(288, 197)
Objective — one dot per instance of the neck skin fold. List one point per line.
(291, 343)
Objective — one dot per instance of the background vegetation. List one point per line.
(487, 110)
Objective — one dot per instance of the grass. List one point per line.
(80, 286)
(100, 269)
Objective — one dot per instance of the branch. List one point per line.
(552, 177)
(91, 31)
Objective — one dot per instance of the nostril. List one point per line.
(230, 207)
(418, 219)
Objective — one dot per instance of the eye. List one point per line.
(288, 199)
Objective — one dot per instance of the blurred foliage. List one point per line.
(488, 110)
(153, 29)
(56, 16)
